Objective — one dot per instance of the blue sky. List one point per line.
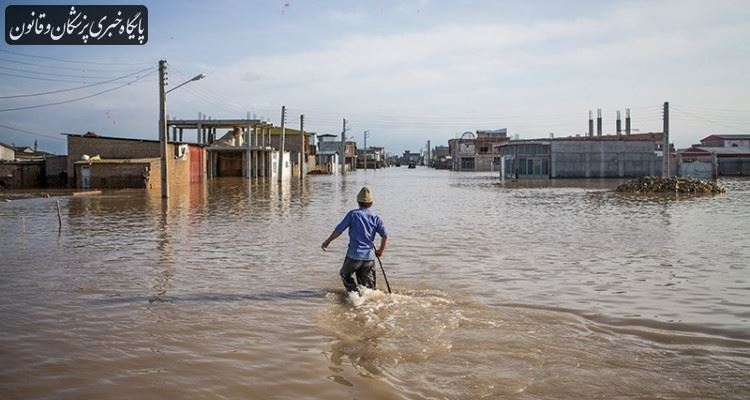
(407, 71)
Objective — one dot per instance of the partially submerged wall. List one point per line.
(21, 174)
(603, 159)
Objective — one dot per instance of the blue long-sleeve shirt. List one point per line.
(363, 224)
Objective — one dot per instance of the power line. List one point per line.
(441, 121)
(649, 113)
(76, 88)
(36, 78)
(32, 133)
(721, 115)
(715, 109)
(75, 99)
(26, 71)
(709, 120)
(62, 67)
(207, 94)
(71, 61)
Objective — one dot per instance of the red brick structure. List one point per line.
(122, 162)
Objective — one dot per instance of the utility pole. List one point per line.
(665, 153)
(367, 133)
(281, 143)
(163, 145)
(302, 147)
(429, 154)
(343, 148)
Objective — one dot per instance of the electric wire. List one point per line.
(75, 88)
(715, 109)
(443, 121)
(210, 96)
(75, 99)
(74, 61)
(26, 71)
(115, 69)
(727, 119)
(696, 117)
(32, 133)
(36, 78)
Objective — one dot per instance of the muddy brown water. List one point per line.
(562, 290)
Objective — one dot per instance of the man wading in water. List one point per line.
(363, 224)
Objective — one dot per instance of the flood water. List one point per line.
(562, 291)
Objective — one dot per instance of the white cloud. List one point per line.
(472, 70)
(535, 77)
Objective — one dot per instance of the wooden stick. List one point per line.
(384, 277)
(59, 217)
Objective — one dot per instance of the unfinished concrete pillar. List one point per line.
(618, 125)
(627, 121)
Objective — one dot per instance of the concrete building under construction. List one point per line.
(245, 149)
(477, 151)
(607, 156)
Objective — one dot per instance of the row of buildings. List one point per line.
(24, 166)
(196, 150)
(249, 148)
(329, 150)
(600, 156)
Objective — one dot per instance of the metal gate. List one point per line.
(196, 164)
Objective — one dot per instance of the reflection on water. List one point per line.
(554, 289)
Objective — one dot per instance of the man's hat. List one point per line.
(365, 195)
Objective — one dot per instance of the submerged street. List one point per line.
(561, 289)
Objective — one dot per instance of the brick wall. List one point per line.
(56, 169)
(179, 169)
(21, 174)
(292, 141)
(117, 148)
(108, 148)
(117, 175)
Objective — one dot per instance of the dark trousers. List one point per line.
(363, 269)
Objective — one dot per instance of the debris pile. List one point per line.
(652, 184)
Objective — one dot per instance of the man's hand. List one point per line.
(330, 239)
(381, 249)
